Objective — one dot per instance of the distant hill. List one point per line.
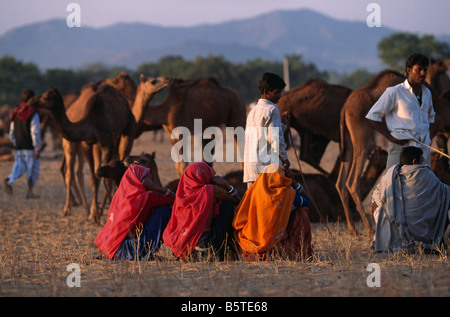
(327, 42)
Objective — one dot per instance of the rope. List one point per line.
(305, 183)
(432, 148)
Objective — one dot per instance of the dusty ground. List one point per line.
(37, 244)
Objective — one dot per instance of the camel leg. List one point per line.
(353, 185)
(80, 177)
(94, 181)
(69, 162)
(100, 153)
(344, 195)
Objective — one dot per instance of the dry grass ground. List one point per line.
(37, 243)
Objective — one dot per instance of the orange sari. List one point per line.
(263, 213)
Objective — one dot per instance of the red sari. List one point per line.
(193, 203)
(130, 208)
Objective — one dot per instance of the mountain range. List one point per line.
(324, 41)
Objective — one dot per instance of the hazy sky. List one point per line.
(420, 16)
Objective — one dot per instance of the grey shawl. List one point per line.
(415, 209)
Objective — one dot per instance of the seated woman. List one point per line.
(202, 213)
(271, 218)
(137, 216)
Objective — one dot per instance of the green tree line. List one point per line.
(15, 76)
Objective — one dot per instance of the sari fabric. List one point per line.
(193, 203)
(263, 213)
(130, 201)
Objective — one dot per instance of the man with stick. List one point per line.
(403, 114)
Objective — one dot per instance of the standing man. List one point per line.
(25, 135)
(264, 140)
(403, 114)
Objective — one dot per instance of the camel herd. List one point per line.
(101, 123)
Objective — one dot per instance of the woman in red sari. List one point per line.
(138, 215)
(202, 212)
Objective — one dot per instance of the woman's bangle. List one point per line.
(299, 187)
(167, 192)
(231, 190)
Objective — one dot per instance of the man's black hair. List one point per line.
(270, 82)
(410, 153)
(417, 59)
(27, 94)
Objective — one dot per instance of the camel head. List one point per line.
(153, 85)
(51, 99)
(123, 83)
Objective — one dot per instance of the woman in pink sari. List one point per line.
(138, 215)
(202, 212)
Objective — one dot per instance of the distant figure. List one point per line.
(411, 205)
(405, 112)
(272, 218)
(262, 139)
(137, 217)
(25, 135)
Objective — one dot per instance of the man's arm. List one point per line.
(381, 127)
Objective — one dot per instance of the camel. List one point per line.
(101, 119)
(203, 99)
(358, 142)
(314, 110)
(441, 167)
(115, 169)
(138, 99)
(437, 75)
(358, 139)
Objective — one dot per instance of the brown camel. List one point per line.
(358, 139)
(138, 99)
(115, 169)
(100, 117)
(314, 109)
(437, 75)
(443, 135)
(358, 142)
(201, 99)
(440, 165)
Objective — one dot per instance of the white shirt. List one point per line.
(264, 139)
(405, 118)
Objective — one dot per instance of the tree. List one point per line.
(16, 76)
(395, 49)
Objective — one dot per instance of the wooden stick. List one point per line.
(432, 148)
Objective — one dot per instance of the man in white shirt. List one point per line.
(403, 114)
(264, 140)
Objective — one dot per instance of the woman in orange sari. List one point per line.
(272, 218)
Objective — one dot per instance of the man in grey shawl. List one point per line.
(411, 206)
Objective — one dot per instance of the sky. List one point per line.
(417, 16)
